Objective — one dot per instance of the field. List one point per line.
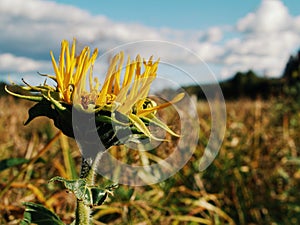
(255, 178)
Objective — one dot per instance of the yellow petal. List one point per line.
(57, 72)
(128, 75)
(145, 112)
(134, 97)
(64, 44)
(108, 80)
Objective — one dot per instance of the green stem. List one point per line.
(83, 212)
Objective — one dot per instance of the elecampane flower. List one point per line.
(122, 99)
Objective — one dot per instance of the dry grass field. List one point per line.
(255, 178)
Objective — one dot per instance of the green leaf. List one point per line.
(90, 195)
(11, 162)
(38, 214)
(97, 195)
(76, 186)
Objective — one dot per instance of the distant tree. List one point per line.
(2, 91)
(251, 85)
(292, 69)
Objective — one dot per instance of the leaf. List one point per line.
(90, 195)
(98, 196)
(76, 186)
(38, 214)
(11, 162)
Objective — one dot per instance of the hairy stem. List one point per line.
(83, 212)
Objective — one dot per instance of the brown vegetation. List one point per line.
(254, 180)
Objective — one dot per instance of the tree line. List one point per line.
(252, 85)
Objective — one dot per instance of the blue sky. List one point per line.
(193, 14)
(206, 39)
(178, 14)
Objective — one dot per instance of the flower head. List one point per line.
(122, 99)
(71, 71)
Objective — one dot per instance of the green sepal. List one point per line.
(38, 214)
(31, 97)
(122, 120)
(43, 108)
(52, 96)
(49, 76)
(62, 118)
(155, 121)
(140, 125)
(25, 92)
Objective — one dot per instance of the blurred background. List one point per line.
(249, 48)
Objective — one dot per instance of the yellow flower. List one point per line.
(71, 71)
(71, 79)
(125, 93)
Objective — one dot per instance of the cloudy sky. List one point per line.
(227, 36)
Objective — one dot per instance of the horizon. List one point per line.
(216, 42)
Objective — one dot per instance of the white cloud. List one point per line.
(267, 37)
(30, 29)
(41, 11)
(271, 16)
(213, 34)
(21, 64)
